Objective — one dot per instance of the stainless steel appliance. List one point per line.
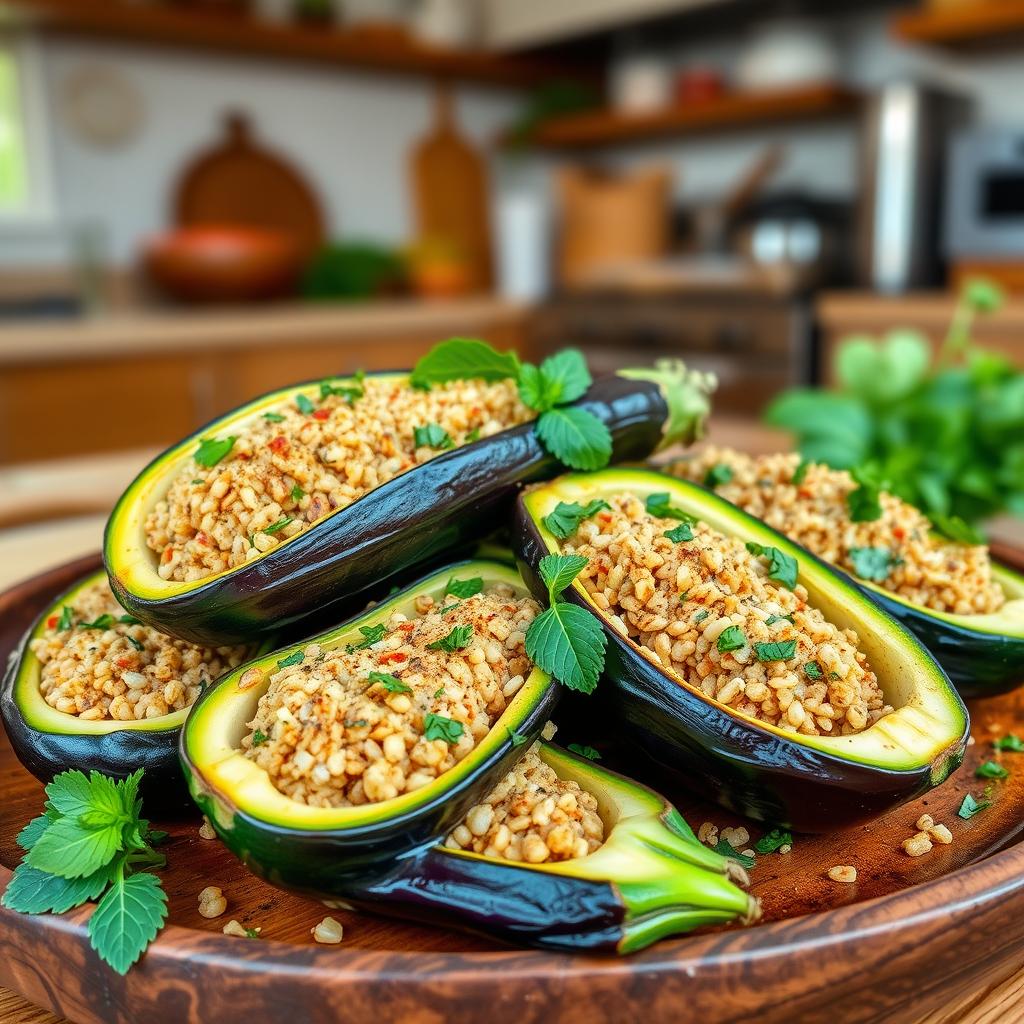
(906, 132)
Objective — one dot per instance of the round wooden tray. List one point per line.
(911, 935)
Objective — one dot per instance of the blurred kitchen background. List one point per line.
(203, 199)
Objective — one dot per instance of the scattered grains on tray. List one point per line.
(107, 665)
(941, 834)
(736, 837)
(708, 833)
(212, 902)
(930, 571)
(929, 832)
(329, 931)
(843, 873)
(206, 829)
(706, 610)
(330, 736)
(234, 928)
(785, 848)
(286, 471)
(532, 815)
(917, 845)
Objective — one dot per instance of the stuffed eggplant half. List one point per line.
(323, 488)
(758, 673)
(93, 688)
(965, 608)
(388, 764)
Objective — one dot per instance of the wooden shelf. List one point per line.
(738, 110)
(986, 24)
(367, 50)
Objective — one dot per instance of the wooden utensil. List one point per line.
(450, 193)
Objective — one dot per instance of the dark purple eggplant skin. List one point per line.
(715, 754)
(415, 518)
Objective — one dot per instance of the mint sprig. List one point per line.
(90, 842)
(565, 640)
(575, 436)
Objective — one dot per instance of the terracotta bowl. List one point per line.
(223, 263)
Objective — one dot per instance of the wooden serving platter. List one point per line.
(909, 937)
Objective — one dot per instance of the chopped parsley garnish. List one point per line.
(66, 617)
(565, 520)
(259, 737)
(782, 568)
(449, 608)
(812, 671)
(772, 619)
(970, 807)
(438, 727)
(780, 650)
(701, 615)
(273, 417)
(660, 505)
(439, 692)
(473, 435)
(390, 683)
(954, 528)
(432, 436)
(464, 588)
(297, 493)
(731, 639)
(770, 842)
(680, 533)
(129, 620)
(517, 738)
(346, 391)
(726, 850)
(991, 770)
(1012, 742)
(305, 406)
(211, 451)
(833, 676)
(135, 643)
(800, 473)
(252, 933)
(371, 635)
(279, 525)
(585, 751)
(456, 640)
(718, 474)
(295, 658)
(873, 564)
(357, 723)
(104, 621)
(198, 483)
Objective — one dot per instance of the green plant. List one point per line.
(945, 434)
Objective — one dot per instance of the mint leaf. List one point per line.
(259, 737)
(584, 751)
(456, 640)
(536, 390)
(772, 619)
(211, 451)
(464, 588)
(66, 621)
(517, 738)
(991, 770)
(32, 891)
(346, 391)
(954, 528)
(305, 406)
(800, 473)
(863, 503)
(1012, 742)
(29, 835)
(575, 437)
(660, 506)
(432, 436)
(104, 621)
(438, 727)
(127, 920)
(297, 493)
(371, 635)
(273, 417)
(561, 378)
(463, 359)
(278, 526)
(72, 794)
(812, 670)
(970, 807)
(873, 564)
(295, 658)
(565, 520)
(558, 571)
(782, 568)
(680, 533)
(727, 851)
(779, 650)
(718, 474)
(772, 841)
(71, 850)
(390, 683)
(568, 643)
(731, 639)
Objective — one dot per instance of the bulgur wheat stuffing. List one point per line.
(897, 548)
(99, 663)
(309, 457)
(532, 815)
(707, 610)
(363, 723)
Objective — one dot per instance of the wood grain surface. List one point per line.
(911, 939)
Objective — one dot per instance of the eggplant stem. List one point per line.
(687, 395)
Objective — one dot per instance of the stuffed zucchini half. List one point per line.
(809, 780)
(193, 548)
(97, 663)
(648, 878)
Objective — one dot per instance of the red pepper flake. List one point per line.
(394, 656)
(605, 517)
(322, 414)
(898, 532)
(279, 445)
(168, 554)
(125, 662)
(407, 627)
(51, 622)
(805, 492)
(202, 538)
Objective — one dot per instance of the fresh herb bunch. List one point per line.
(945, 435)
(574, 436)
(91, 841)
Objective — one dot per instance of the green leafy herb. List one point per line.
(273, 417)
(772, 619)
(562, 378)
(295, 658)
(585, 751)
(390, 683)
(779, 650)
(371, 635)
(464, 588)
(439, 692)
(279, 525)
(517, 738)
(575, 437)
(812, 670)
(770, 842)
(991, 770)
(726, 850)
(297, 493)
(304, 404)
(135, 643)
(701, 615)
(198, 483)
(346, 391)
(90, 843)
(357, 723)
(954, 528)
(438, 727)
(782, 568)
(456, 640)
(565, 640)
(717, 475)
(463, 359)
(1012, 742)
(432, 436)
(660, 506)
(449, 608)
(129, 620)
(864, 502)
(800, 473)
(211, 451)
(680, 533)
(104, 621)
(259, 737)
(565, 520)
(970, 807)
(873, 564)
(731, 639)
(473, 435)
(66, 620)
